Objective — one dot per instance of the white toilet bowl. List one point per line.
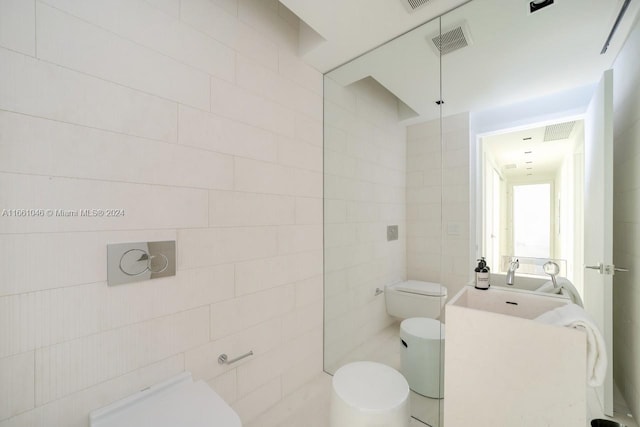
(176, 402)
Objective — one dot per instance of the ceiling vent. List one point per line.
(413, 5)
(558, 131)
(452, 39)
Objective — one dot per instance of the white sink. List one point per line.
(510, 302)
(521, 281)
(503, 368)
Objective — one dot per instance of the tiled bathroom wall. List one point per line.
(626, 239)
(198, 120)
(438, 202)
(365, 156)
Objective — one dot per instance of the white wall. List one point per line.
(626, 242)
(365, 156)
(198, 120)
(569, 208)
(438, 198)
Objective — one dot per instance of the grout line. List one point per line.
(35, 379)
(146, 47)
(211, 94)
(35, 28)
(178, 123)
(209, 209)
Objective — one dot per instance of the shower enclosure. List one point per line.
(403, 161)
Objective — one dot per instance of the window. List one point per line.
(532, 220)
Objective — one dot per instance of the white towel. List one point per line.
(566, 287)
(573, 316)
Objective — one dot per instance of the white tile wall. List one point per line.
(438, 201)
(170, 7)
(73, 410)
(71, 43)
(261, 338)
(213, 246)
(152, 24)
(365, 158)
(172, 207)
(227, 208)
(198, 119)
(237, 314)
(38, 146)
(78, 364)
(40, 261)
(54, 316)
(253, 276)
(626, 227)
(41, 89)
(262, 177)
(17, 25)
(17, 377)
(237, 103)
(221, 24)
(208, 131)
(259, 400)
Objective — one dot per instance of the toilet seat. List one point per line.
(176, 402)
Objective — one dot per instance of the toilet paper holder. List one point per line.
(223, 359)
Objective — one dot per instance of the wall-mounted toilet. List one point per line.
(421, 335)
(176, 402)
(415, 298)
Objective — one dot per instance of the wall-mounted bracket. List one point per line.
(134, 262)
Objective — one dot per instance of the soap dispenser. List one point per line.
(482, 274)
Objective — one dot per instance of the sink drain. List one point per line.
(605, 423)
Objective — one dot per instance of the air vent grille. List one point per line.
(558, 131)
(450, 41)
(412, 5)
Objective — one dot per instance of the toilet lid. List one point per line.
(422, 288)
(183, 404)
(422, 327)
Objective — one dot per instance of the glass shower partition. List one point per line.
(383, 200)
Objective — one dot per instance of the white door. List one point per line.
(598, 221)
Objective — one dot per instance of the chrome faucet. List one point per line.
(511, 273)
(552, 269)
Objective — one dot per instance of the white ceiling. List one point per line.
(532, 156)
(514, 55)
(352, 27)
